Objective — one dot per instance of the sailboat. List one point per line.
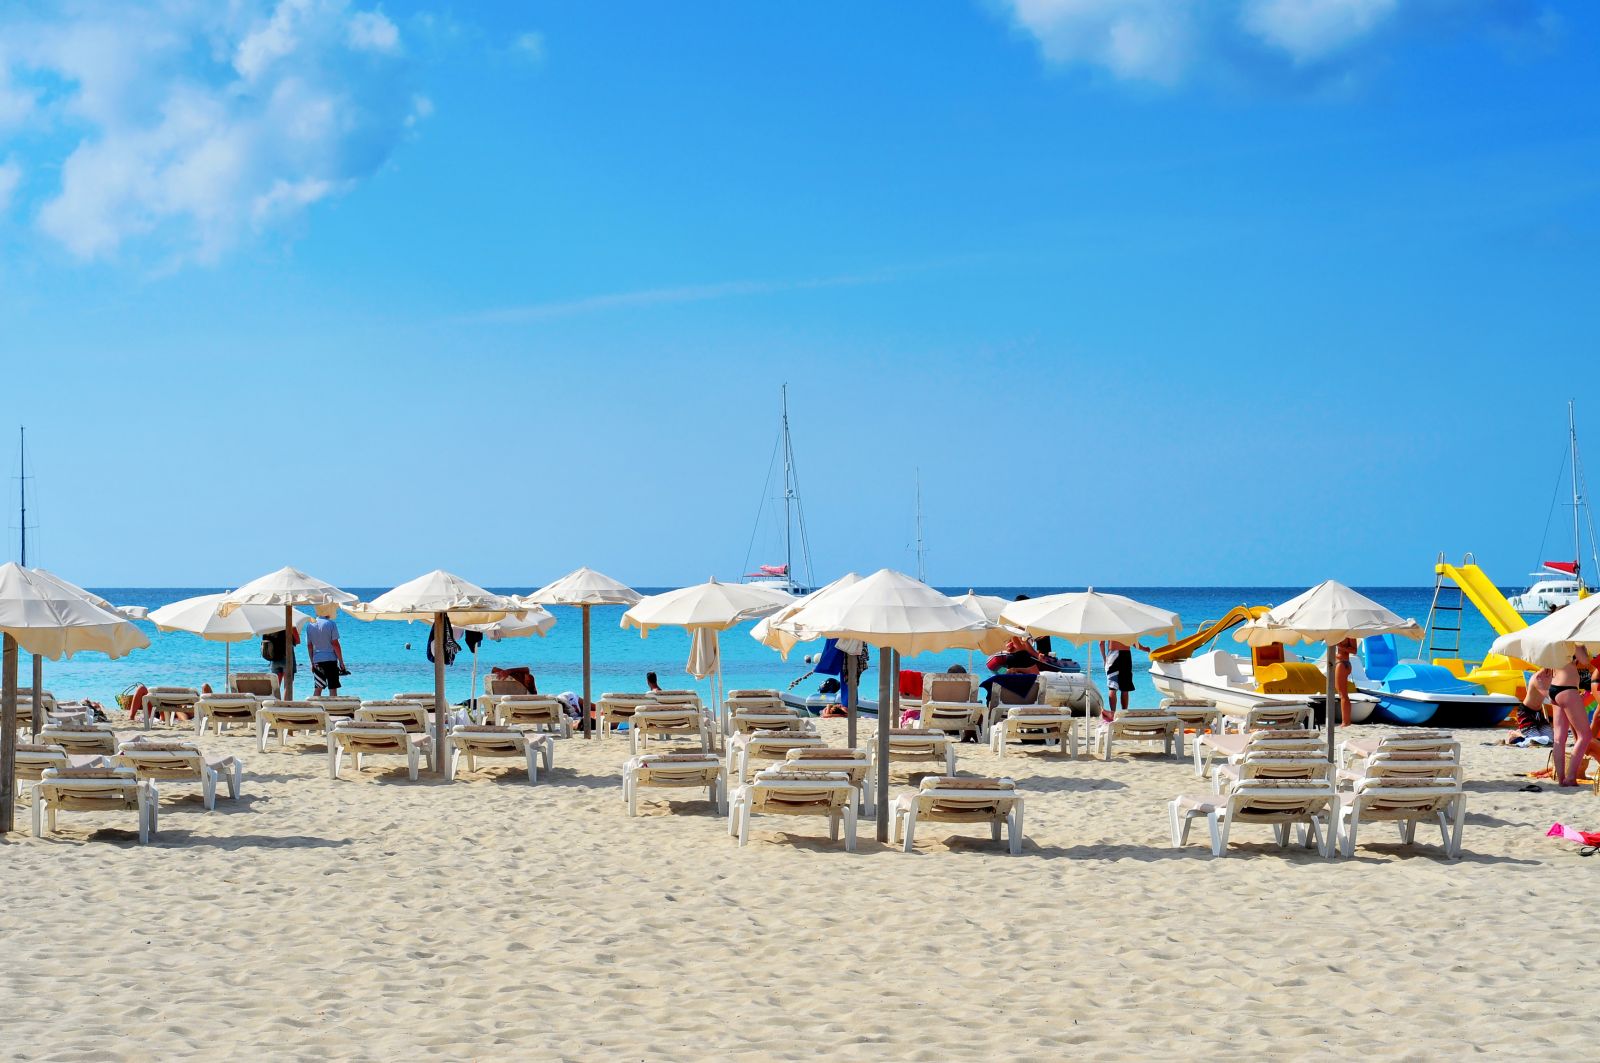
(783, 576)
(1561, 583)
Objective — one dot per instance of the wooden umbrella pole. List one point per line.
(8, 735)
(439, 753)
(885, 722)
(288, 653)
(1333, 707)
(38, 694)
(852, 684)
(588, 709)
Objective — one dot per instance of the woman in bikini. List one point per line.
(1569, 717)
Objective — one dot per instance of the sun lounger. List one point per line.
(1294, 714)
(80, 739)
(1402, 764)
(225, 710)
(287, 718)
(616, 709)
(950, 704)
(498, 741)
(93, 790)
(1229, 746)
(35, 758)
(676, 770)
(855, 763)
(748, 700)
(1039, 723)
(918, 745)
(746, 749)
(1137, 725)
(1196, 713)
(181, 762)
(362, 739)
(769, 718)
(261, 684)
(411, 715)
(337, 706)
(669, 721)
(784, 792)
(538, 711)
(1354, 750)
(1405, 802)
(954, 799)
(496, 687)
(169, 700)
(1279, 803)
(1273, 764)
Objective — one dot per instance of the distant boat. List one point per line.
(1560, 583)
(783, 576)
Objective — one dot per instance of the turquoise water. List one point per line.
(388, 657)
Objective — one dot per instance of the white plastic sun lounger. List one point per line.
(225, 710)
(856, 764)
(35, 758)
(286, 718)
(539, 711)
(93, 790)
(1208, 748)
(676, 771)
(1280, 803)
(1038, 722)
(954, 799)
(1138, 725)
(917, 745)
(950, 704)
(1405, 802)
(80, 739)
(782, 792)
(168, 700)
(745, 750)
(492, 741)
(361, 739)
(669, 721)
(182, 762)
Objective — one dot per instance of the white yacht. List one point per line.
(1560, 583)
(784, 577)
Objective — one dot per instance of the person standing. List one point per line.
(327, 655)
(277, 650)
(1119, 673)
(1341, 678)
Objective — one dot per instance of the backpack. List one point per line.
(272, 646)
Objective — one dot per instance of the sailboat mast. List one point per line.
(788, 492)
(922, 572)
(1577, 496)
(22, 489)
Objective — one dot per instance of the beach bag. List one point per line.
(272, 646)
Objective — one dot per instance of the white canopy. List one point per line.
(202, 616)
(51, 618)
(1550, 643)
(584, 586)
(990, 605)
(1083, 617)
(705, 653)
(433, 593)
(1329, 612)
(127, 612)
(891, 610)
(287, 586)
(533, 620)
(712, 605)
(779, 632)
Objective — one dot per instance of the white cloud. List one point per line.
(10, 177)
(530, 46)
(1166, 42)
(188, 126)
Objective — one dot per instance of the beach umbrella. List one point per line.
(1328, 613)
(285, 588)
(48, 617)
(990, 605)
(532, 620)
(705, 610)
(437, 596)
(128, 612)
(202, 615)
(897, 614)
(1551, 642)
(584, 588)
(778, 631)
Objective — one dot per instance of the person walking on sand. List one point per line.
(277, 649)
(1119, 673)
(1568, 716)
(1341, 678)
(327, 655)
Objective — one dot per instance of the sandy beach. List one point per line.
(488, 919)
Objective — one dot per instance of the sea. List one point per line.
(388, 657)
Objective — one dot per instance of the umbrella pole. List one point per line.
(472, 694)
(852, 684)
(288, 653)
(588, 711)
(886, 689)
(38, 689)
(1333, 705)
(8, 735)
(439, 752)
(227, 666)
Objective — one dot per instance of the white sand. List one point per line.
(381, 919)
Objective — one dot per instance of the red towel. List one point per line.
(910, 684)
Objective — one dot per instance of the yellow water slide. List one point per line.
(1496, 673)
(1184, 648)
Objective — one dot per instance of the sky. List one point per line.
(1144, 292)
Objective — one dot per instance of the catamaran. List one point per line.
(784, 577)
(1561, 583)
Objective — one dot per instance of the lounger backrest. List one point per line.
(77, 737)
(949, 686)
(420, 697)
(90, 789)
(409, 715)
(751, 694)
(1006, 696)
(528, 708)
(264, 684)
(341, 705)
(1411, 795)
(1278, 796)
(498, 685)
(1409, 765)
(162, 760)
(372, 737)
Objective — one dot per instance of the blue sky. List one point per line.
(1246, 291)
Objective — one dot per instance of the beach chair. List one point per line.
(746, 749)
(539, 711)
(918, 745)
(1208, 748)
(1279, 803)
(80, 739)
(956, 799)
(181, 762)
(93, 790)
(1290, 714)
(1036, 723)
(259, 684)
(494, 688)
(336, 706)
(1354, 751)
(1402, 764)
(615, 709)
(950, 704)
(1405, 801)
(676, 771)
(1195, 714)
(362, 739)
(747, 699)
(781, 791)
(1273, 764)
(497, 741)
(411, 715)
(1138, 725)
(779, 717)
(35, 758)
(25, 713)
(856, 764)
(168, 700)
(287, 718)
(669, 721)
(225, 710)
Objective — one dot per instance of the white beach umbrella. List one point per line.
(285, 588)
(1551, 642)
(990, 605)
(705, 654)
(48, 617)
(585, 588)
(779, 632)
(202, 615)
(437, 596)
(1328, 613)
(897, 614)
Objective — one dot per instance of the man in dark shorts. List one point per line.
(1119, 673)
(327, 656)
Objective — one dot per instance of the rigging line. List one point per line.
(1588, 514)
(756, 528)
(800, 516)
(1561, 474)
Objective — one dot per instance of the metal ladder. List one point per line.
(1444, 616)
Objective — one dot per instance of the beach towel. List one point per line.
(1572, 834)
